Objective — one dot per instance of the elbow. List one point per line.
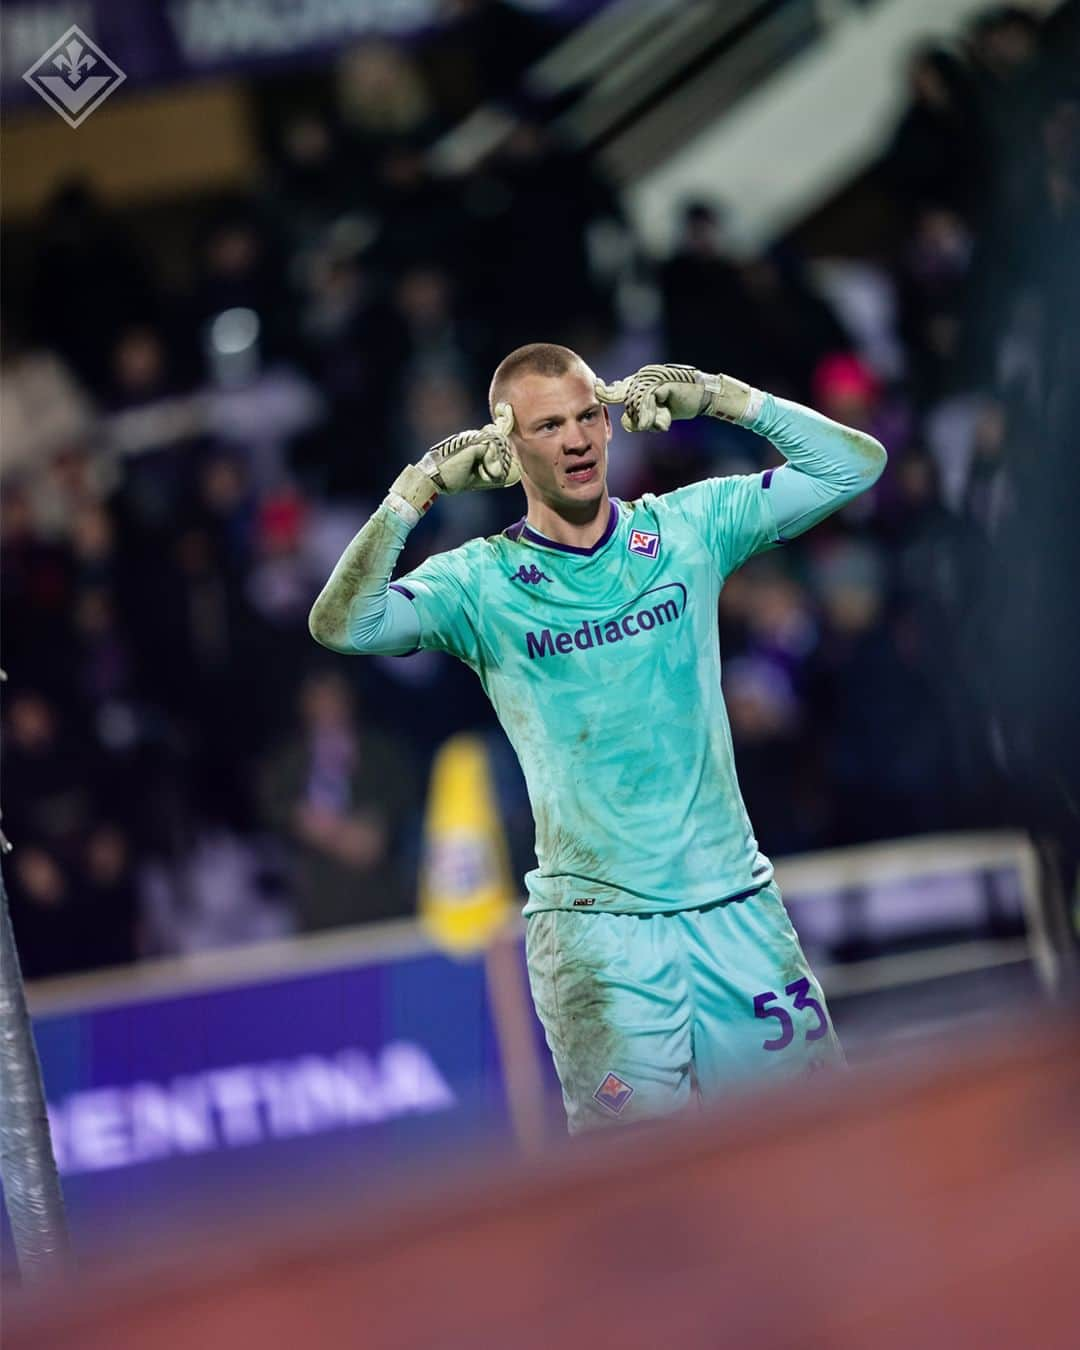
(322, 630)
(872, 460)
(314, 627)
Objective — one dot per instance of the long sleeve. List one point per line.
(828, 465)
(357, 610)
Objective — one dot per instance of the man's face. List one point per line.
(561, 435)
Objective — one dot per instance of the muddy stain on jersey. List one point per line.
(866, 448)
(573, 855)
(370, 553)
(519, 721)
(563, 850)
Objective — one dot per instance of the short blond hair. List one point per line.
(535, 358)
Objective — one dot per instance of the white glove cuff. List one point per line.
(415, 489)
(754, 407)
(731, 400)
(395, 502)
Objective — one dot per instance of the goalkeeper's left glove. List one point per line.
(655, 396)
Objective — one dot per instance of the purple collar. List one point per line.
(522, 531)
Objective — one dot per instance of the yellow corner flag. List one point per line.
(466, 892)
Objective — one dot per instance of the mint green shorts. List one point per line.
(644, 1013)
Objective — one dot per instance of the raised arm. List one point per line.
(358, 610)
(828, 463)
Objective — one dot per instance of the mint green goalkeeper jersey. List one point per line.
(603, 667)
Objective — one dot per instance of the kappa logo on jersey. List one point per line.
(613, 1093)
(657, 607)
(641, 541)
(531, 576)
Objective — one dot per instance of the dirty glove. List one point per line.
(655, 396)
(461, 463)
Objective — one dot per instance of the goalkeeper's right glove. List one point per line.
(655, 396)
(463, 462)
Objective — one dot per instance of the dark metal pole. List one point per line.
(31, 1182)
(35, 1204)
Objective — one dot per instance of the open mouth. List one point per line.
(582, 473)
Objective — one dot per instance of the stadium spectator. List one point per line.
(82, 251)
(480, 51)
(700, 280)
(936, 153)
(42, 407)
(520, 239)
(216, 895)
(111, 897)
(45, 913)
(239, 268)
(382, 97)
(884, 757)
(49, 773)
(307, 191)
(340, 792)
(933, 280)
(34, 583)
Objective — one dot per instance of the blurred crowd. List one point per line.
(194, 429)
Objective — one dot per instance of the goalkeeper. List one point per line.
(661, 959)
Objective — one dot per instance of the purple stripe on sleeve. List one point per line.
(402, 590)
(766, 477)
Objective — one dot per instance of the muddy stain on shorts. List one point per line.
(573, 999)
(589, 1040)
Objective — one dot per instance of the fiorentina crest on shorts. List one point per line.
(613, 1093)
(641, 541)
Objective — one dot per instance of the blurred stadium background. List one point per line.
(279, 262)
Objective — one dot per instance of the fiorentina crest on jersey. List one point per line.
(614, 1092)
(641, 541)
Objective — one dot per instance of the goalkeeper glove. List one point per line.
(655, 396)
(461, 463)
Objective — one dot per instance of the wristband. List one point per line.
(395, 502)
(415, 489)
(753, 407)
(731, 400)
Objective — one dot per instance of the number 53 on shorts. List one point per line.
(768, 1004)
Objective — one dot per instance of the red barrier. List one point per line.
(925, 1207)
